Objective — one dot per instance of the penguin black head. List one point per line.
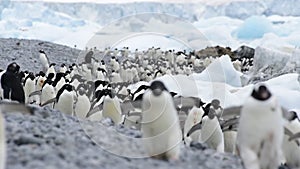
(63, 65)
(261, 93)
(157, 87)
(50, 76)
(42, 51)
(66, 87)
(293, 115)
(52, 64)
(42, 74)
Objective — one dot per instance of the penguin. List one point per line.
(44, 59)
(112, 107)
(51, 69)
(211, 132)
(65, 99)
(260, 130)
(48, 91)
(194, 116)
(29, 87)
(59, 81)
(291, 148)
(63, 68)
(160, 123)
(230, 140)
(83, 104)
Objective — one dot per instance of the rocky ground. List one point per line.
(49, 139)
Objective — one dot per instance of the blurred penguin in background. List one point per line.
(11, 84)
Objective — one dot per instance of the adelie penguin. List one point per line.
(29, 87)
(64, 100)
(260, 130)
(44, 59)
(160, 123)
(211, 132)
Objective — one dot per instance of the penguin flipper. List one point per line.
(53, 100)
(230, 112)
(229, 123)
(38, 92)
(94, 110)
(292, 136)
(128, 106)
(196, 127)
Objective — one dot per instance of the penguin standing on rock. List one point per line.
(260, 130)
(160, 123)
(44, 59)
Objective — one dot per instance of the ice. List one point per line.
(254, 27)
(272, 62)
(221, 70)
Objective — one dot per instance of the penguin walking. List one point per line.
(160, 123)
(260, 130)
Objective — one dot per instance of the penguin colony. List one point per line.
(98, 89)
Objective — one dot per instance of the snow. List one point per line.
(221, 70)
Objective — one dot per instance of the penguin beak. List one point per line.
(157, 92)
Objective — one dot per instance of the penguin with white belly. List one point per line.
(83, 103)
(291, 148)
(48, 90)
(29, 87)
(160, 123)
(51, 69)
(260, 130)
(112, 107)
(194, 117)
(65, 99)
(44, 59)
(211, 132)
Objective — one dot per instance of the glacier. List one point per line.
(227, 23)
